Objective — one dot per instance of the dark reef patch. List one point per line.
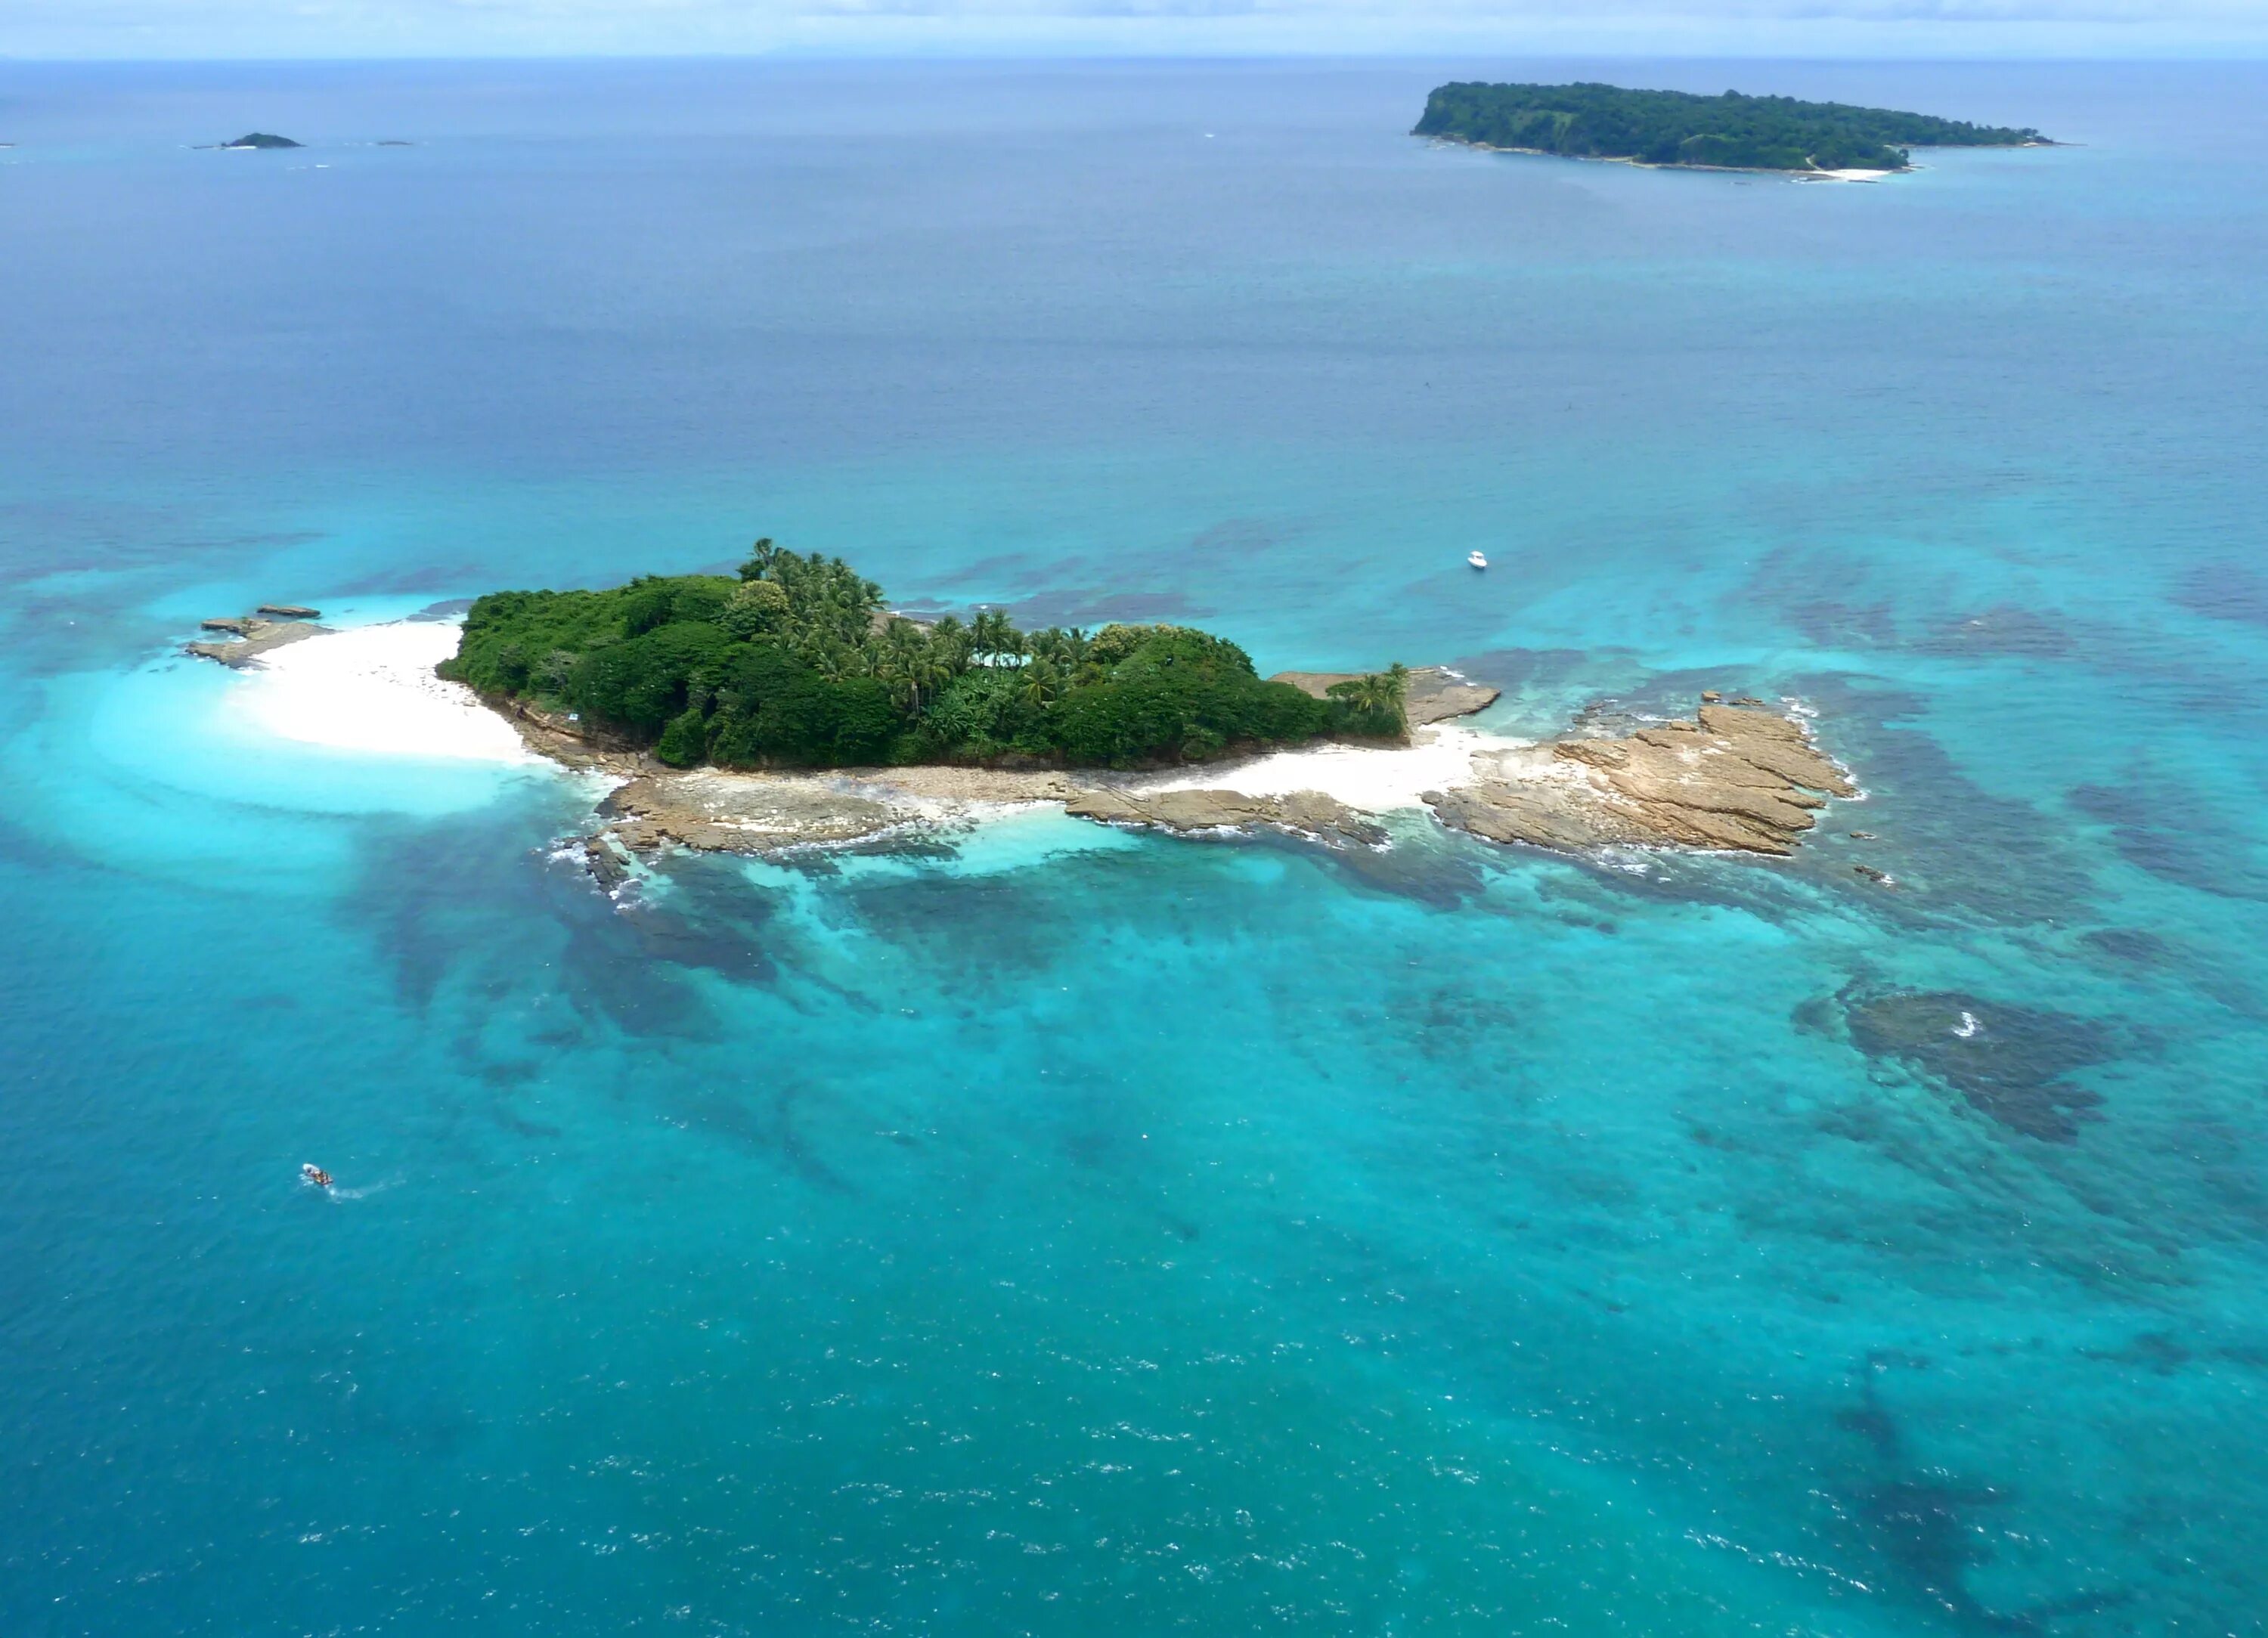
(2010, 1063)
(767, 1118)
(1988, 855)
(1421, 869)
(2178, 843)
(413, 579)
(2129, 944)
(970, 930)
(1098, 608)
(2225, 591)
(2003, 630)
(1233, 538)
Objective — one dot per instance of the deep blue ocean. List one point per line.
(1055, 1231)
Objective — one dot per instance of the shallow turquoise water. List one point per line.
(1064, 1227)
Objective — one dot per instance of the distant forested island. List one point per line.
(798, 663)
(1595, 121)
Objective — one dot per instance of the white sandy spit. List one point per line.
(372, 690)
(1374, 778)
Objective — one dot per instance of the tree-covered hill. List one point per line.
(1586, 121)
(796, 662)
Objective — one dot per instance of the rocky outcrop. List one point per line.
(289, 611)
(1434, 694)
(1305, 812)
(255, 637)
(1732, 778)
(717, 812)
(606, 866)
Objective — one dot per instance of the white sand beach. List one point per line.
(1374, 779)
(372, 689)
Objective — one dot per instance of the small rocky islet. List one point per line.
(698, 697)
(1738, 779)
(244, 638)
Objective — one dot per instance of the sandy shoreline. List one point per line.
(1739, 778)
(371, 689)
(1851, 174)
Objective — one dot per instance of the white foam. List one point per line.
(1375, 779)
(372, 690)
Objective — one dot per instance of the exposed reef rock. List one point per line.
(1434, 694)
(1307, 813)
(718, 812)
(1738, 779)
(606, 866)
(1747, 780)
(255, 636)
(711, 810)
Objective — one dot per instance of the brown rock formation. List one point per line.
(1307, 812)
(1748, 780)
(717, 812)
(255, 638)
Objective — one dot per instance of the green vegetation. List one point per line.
(797, 663)
(1677, 127)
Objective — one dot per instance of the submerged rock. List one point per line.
(2010, 1063)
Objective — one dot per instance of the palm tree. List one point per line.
(910, 663)
(989, 634)
(1379, 695)
(1042, 683)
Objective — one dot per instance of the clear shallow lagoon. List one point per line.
(1063, 1227)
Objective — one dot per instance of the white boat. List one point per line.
(1477, 560)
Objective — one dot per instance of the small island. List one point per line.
(788, 707)
(798, 664)
(1589, 120)
(262, 139)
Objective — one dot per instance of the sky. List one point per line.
(441, 28)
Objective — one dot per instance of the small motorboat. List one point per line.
(310, 1173)
(1477, 560)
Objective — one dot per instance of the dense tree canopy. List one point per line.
(797, 662)
(1677, 127)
